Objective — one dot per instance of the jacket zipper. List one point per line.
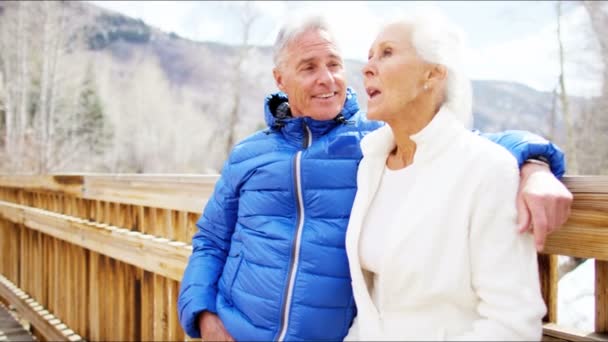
(295, 251)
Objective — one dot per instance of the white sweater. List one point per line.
(453, 264)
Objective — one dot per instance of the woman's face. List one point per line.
(394, 75)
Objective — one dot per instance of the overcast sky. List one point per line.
(510, 40)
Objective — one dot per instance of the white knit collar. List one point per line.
(432, 139)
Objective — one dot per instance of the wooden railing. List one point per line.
(100, 257)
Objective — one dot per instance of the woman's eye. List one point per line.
(387, 52)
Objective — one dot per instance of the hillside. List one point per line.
(169, 98)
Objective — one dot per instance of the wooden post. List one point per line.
(547, 267)
(93, 330)
(601, 296)
(147, 305)
(160, 307)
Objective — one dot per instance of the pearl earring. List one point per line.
(426, 87)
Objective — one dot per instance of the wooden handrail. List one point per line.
(178, 192)
(585, 234)
(151, 253)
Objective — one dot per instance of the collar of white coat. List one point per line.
(432, 139)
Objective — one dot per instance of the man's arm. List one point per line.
(210, 246)
(526, 146)
(543, 202)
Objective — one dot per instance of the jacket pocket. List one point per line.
(231, 270)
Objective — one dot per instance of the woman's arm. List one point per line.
(503, 262)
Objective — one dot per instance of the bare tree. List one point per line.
(598, 121)
(248, 16)
(599, 24)
(14, 53)
(53, 24)
(563, 96)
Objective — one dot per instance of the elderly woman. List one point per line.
(432, 242)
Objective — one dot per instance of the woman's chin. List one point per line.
(373, 114)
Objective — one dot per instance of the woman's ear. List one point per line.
(437, 72)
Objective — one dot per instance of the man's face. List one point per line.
(311, 73)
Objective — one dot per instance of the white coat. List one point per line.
(453, 265)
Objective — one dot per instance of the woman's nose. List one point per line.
(368, 69)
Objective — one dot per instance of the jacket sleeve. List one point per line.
(210, 246)
(525, 145)
(504, 269)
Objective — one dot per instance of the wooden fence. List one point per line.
(100, 257)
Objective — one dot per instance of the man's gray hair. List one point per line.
(295, 27)
(436, 40)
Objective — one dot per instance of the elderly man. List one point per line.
(268, 260)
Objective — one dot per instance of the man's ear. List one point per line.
(278, 78)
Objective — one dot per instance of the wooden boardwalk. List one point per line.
(10, 329)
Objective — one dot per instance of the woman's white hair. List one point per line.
(294, 27)
(436, 40)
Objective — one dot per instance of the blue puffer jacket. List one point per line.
(269, 254)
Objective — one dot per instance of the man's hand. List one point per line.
(543, 202)
(212, 328)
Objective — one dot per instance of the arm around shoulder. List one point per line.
(524, 146)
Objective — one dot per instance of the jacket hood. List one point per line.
(317, 127)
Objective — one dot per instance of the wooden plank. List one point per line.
(141, 221)
(586, 184)
(601, 296)
(160, 308)
(171, 305)
(184, 192)
(147, 305)
(181, 226)
(108, 299)
(45, 326)
(156, 255)
(585, 235)
(189, 192)
(71, 184)
(178, 192)
(571, 334)
(119, 300)
(93, 331)
(579, 241)
(10, 329)
(129, 315)
(23, 255)
(547, 267)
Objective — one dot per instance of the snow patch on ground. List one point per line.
(576, 297)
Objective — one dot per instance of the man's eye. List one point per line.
(387, 52)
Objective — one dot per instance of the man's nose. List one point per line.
(325, 76)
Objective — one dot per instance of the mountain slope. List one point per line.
(170, 98)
